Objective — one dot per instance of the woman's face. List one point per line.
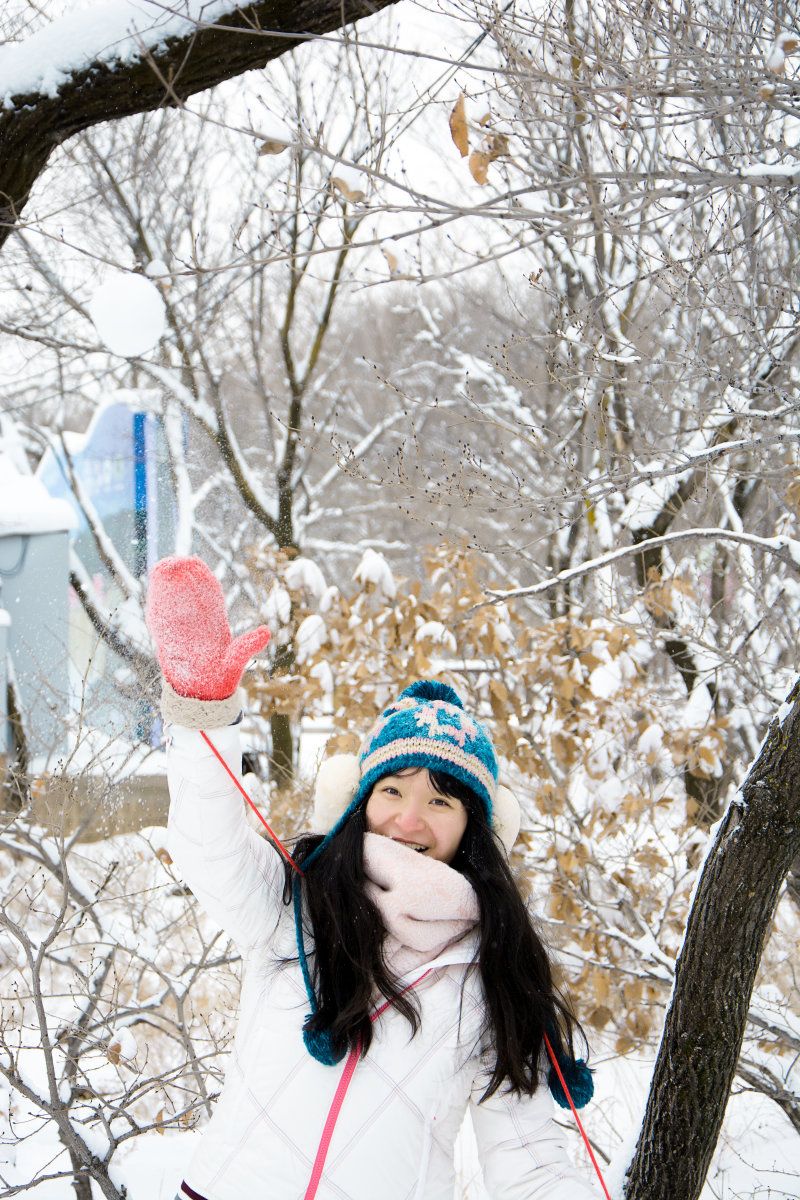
(408, 808)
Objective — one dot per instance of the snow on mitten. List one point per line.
(186, 616)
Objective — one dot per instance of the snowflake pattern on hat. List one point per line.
(427, 727)
(457, 725)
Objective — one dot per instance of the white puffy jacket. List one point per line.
(396, 1131)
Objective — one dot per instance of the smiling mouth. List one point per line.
(412, 845)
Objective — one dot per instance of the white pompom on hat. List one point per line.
(337, 782)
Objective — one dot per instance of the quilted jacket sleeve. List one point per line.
(521, 1149)
(236, 875)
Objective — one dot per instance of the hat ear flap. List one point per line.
(336, 784)
(505, 817)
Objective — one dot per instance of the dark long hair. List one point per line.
(348, 964)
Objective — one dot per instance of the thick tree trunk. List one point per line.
(247, 36)
(728, 924)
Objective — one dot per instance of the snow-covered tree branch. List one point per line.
(80, 71)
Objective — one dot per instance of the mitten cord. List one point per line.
(274, 837)
(563, 1083)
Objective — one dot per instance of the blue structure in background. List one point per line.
(122, 464)
(140, 491)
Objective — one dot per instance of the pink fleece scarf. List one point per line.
(426, 906)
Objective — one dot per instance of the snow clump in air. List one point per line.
(435, 631)
(128, 314)
(322, 672)
(605, 680)
(275, 134)
(277, 608)
(699, 708)
(651, 740)
(157, 269)
(122, 1045)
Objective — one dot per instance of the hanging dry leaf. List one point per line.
(352, 194)
(479, 166)
(272, 146)
(497, 147)
(343, 743)
(601, 984)
(492, 147)
(638, 1023)
(114, 1051)
(160, 1116)
(600, 1017)
(391, 260)
(458, 126)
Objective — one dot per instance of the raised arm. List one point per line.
(234, 873)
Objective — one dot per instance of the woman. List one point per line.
(396, 941)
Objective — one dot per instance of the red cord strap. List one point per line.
(238, 783)
(338, 1099)
(332, 1118)
(563, 1083)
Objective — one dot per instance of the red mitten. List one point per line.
(186, 616)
